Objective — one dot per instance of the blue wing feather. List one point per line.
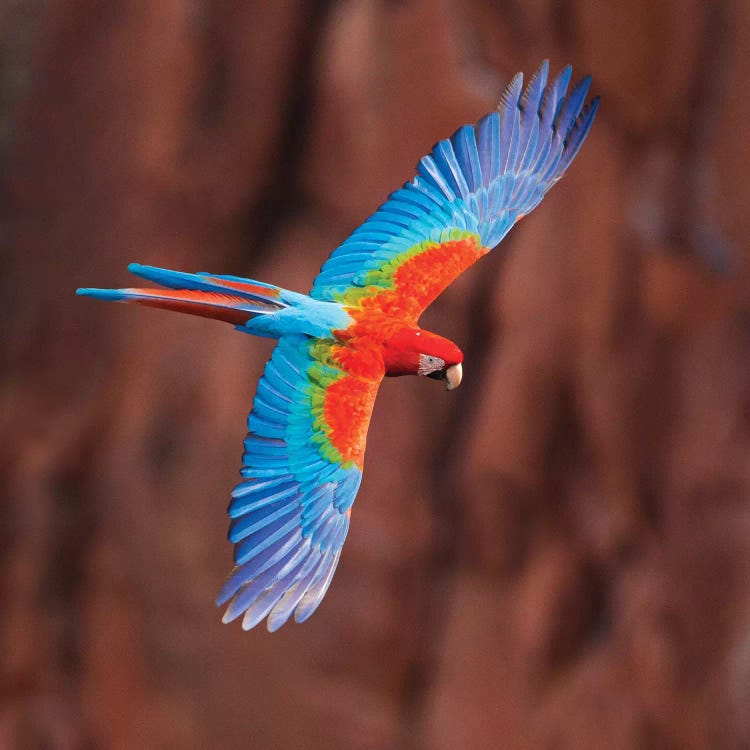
(578, 135)
(488, 146)
(532, 98)
(481, 180)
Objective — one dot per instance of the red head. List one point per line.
(412, 351)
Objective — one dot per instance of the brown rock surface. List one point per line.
(556, 556)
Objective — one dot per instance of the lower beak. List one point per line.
(453, 376)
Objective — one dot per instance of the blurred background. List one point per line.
(556, 556)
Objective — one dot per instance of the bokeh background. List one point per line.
(555, 556)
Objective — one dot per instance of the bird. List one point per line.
(304, 451)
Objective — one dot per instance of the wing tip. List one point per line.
(273, 624)
(565, 75)
(580, 129)
(512, 93)
(228, 616)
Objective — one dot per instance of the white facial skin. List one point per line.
(429, 364)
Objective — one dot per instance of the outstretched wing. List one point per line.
(467, 194)
(301, 471)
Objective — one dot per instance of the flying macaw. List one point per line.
(304, 451)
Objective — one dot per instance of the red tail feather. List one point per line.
(204, 304)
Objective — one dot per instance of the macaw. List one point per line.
(304, 451)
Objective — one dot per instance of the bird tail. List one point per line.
(229, 298)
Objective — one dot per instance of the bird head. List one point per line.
(412, 351)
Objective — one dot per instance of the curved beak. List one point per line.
(453, 377)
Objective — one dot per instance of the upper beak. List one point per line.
(453, 376)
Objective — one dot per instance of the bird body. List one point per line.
(305, 447)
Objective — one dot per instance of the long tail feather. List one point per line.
(230, 299)
(235, 310)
